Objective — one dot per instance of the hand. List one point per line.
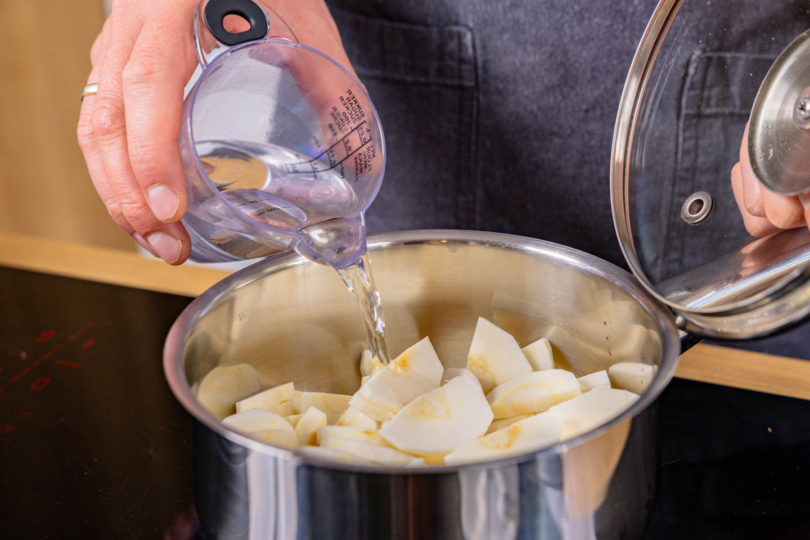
(128, 131)
(763, 211)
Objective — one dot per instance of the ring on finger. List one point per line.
(89, 90)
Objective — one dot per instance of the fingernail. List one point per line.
(163, 201)
(804, 198)
(165, 246)
(144, 244)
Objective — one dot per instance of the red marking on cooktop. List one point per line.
(7, 428)
(45, 336)
(81, 331)
(21, 374)
(25, 414)
(40, 383)
(47, 355)
(68, 364)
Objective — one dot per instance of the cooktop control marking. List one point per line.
(11, 424)
(45, 336)
(68, 364)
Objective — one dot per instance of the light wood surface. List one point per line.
(103, 265)
(745, 369)
(705, 363)
(45, 189)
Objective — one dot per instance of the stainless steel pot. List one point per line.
(295, 321)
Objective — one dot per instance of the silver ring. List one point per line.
(90, 89)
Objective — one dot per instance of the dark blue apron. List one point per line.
(499, 115)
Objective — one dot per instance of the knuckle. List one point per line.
(783, 220)
(782, 213)
(108, 118)
(117, 215)
(85, 135)
(138, 214)
(142, 71)
(144, 157)
(752, 205)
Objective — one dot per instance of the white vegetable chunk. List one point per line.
(353, 417)
(254, 420)
(349, 432)
(332, 454)
(267, 399)
(307, 428)
(333, 405)
(452, 373)
(223, 387)
(495, 357)
(540, 355)
(441, 420)
(591, 410)
(276, 437)
(296, 401)
(505, 422)
(533, 392)
(632, 376)
(368, 364)
(539, 431)
(523, 401)
(293, 419)
(413, 373)
(375, 453)
(284, 409)
(597, 379)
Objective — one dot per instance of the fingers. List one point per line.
(109, 127)
(756, 226)
(101, 43)
(804, 200)
(752, 192)
(162, 61)
(781, 211)
(784, 212)
(92, 155)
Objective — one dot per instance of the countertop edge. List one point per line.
(712, 364)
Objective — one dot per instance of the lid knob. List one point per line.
(779, 128)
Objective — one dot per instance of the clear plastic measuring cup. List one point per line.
(282, 148)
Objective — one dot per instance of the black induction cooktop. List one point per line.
(94, 446)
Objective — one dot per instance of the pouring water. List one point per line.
(282, 150)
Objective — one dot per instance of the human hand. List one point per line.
(763, 211)
(142, 60)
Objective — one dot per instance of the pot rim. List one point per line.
(563, 255)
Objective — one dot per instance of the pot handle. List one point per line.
(688, 340)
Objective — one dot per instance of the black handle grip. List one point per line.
(688, 340)
(217, 10)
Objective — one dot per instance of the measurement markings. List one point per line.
(364, 140)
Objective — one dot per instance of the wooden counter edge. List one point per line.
(704, 363)
(104, 265)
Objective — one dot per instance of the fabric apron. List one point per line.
(499, 115)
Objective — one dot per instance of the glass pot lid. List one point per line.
(699, 70)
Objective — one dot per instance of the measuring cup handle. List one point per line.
(216, 11)
(211, 38)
